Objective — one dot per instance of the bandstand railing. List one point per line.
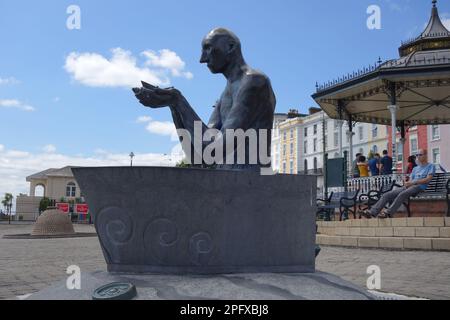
(372, 183)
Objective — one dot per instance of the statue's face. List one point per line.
(216, 53)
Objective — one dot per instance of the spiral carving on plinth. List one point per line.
(114, 225)
(160, 235)
(200, 248)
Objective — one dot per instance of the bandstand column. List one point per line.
(393, 109)
(402, 145)
(350, 134)
(340, 124)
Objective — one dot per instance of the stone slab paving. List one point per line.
(28, 266)
(422, 274)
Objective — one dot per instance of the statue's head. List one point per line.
(220, 48)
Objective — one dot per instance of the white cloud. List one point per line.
(56, 99)
(122, 69)
(167, 60)
(16, 165)
(15, 154)
(445, 17)
(162, 128)
(8, 81)
(13, 103)
(143, 119)
(394, 6)
(446, 23)
(49, 148)
(101, 151)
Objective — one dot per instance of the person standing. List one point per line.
(355, 167)
(374, 165)
(363, 167)
(411, 164)
(386, 164)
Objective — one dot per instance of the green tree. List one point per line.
(183, 164)
(7, 204)
(44, 204)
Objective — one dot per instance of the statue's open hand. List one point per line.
(154, 97)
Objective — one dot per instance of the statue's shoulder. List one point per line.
(256, 78)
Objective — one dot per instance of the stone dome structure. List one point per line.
(53, 223)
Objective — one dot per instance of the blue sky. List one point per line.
(56, 110)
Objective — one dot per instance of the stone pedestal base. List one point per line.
(317, 286)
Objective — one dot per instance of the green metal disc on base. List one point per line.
(115, 291)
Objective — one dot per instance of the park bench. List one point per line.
(438, 188)
(344, 201)
(367, 200)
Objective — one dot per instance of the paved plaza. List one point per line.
(27, 266)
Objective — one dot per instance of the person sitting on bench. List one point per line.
(418, 182)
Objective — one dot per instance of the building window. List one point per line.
(435, 133)
(414, 145)
(306, 132)
(291, 169)
(436, 156)
(361, 133)
(315, 129)
(375, 149)
(336, 155)
(374, 130)
(336, 139)
(284, 136)
(284, 149)
(292, 149)
(292, 133)
(284, 167)
(305, 147)
(325, 126)
(315, 164)
(361, 150)
(306, 165)
(315, 145)
(71, 190)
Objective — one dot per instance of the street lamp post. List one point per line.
(9, 215)
(131, 157)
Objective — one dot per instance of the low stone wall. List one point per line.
(431, 233)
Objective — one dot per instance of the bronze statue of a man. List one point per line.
(248, 101)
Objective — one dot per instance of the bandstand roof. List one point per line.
(420, 77)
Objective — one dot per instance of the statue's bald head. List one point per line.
(220, 47)
(224, 33)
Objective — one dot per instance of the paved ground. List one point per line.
(27, 266)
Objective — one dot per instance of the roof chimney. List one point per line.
(313, 110)
(293, 113)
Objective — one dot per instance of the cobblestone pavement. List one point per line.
(27, 266)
